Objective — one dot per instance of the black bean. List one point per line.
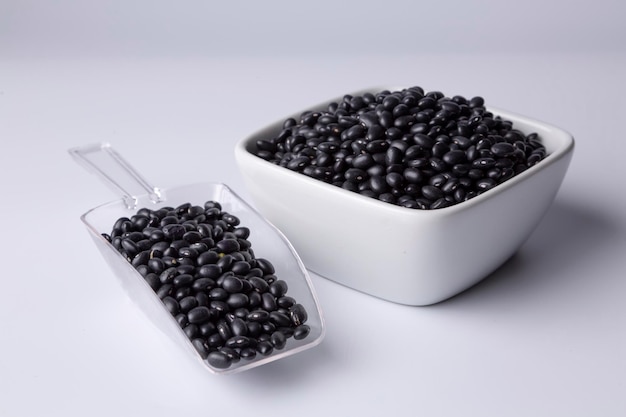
(153, 280)
(188, 303)
(390, 101)
(191, 330)
(207, 329)
(395, 180)
(129, 246)
(218, 294)
(301, 332)
(368, 119)
(413, 176)
(266, 332)
(239, 327)
(240, 268)
(241, 312)
(268, 301)
(182, 280)
(483, 163)
(278, 339)
(265, 265)
(476, 102)
(423, 140)
(454, 157)
(223, 329)
(485, 184)
(122, 224)
(363, 161)
(187, 252)
(280, 319)
(460, 170)
(237, 342)
(171, 305)
(502, 149)
(174, 231)
(259, 284)
(450, 185)
(475, 174)
(164, 290)
(355, 174)
(185, 262)
(210, 271)
(463, 142)
(232, 284)
(285, 301)
(203, 298)
(450, 106)
(534, 158)
(431, 192)
(393, 155)
(167, 276)
(203, 284)
(259, 316)
(377, 146)
(247, 353)
(278, 288)
(156, 265)
(378, 184)
(181, 319)
(202, 348)
(192, 237)
(237, 300)
(226, 262)
(265, 348)
(298, 314)
(199, 314)
(355, 132)
(219, 359)
(228, 245)
(254, 299)
(141, 259)
(287, 331)
(441, 203)
(460, 195)
(438, 180)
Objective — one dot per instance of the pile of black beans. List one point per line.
(200, 263)
(411, 148)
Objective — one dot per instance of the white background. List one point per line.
(174, 85)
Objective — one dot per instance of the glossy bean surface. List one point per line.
(383, 145)
(200, 264)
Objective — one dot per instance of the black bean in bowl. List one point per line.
(200, 263)
(411, 148)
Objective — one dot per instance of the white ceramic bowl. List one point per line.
(409, 256)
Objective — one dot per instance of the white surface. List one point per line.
(544, 335)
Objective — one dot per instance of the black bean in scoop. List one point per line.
(301, 332)
(219, 359)
(200, 263)
(278, 339)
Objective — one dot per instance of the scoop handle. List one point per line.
(102, 160)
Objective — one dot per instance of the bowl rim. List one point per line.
(564, 147)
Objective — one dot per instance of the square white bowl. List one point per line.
(408, 256)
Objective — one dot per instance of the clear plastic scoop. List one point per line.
(267, 242)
